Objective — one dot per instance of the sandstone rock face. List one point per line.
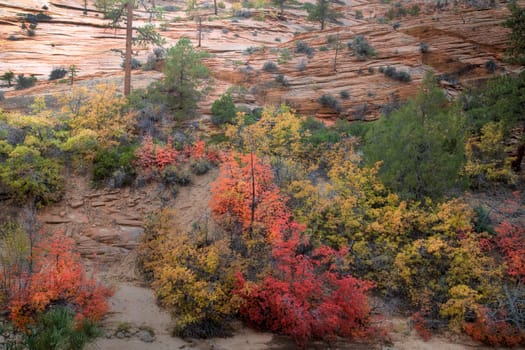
(104, 235)
(107, 235)
(460, 41)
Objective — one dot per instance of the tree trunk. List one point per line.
(215, 7)
(199, 19)
(252, 219)
(29, 214)
(336, 52)
(516, 163)
(127, 63)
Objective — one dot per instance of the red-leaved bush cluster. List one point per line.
(57, 278)
(308, 295)
(151, 155)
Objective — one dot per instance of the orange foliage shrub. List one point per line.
(511, 240)
(57, 278)
(151, 155)
(234, 193)
(420, 326)
(486, 330)
(198, 151)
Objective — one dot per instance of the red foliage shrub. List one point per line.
(489, 331)
(199, 151)
(420, 326)
(306, 297)
(234, 193)
(57, 278)
(151, 155)
(511, 240)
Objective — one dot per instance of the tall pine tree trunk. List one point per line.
(127, 64)
(252, 219)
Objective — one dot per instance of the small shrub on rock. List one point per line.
(361, 48)
(329, 101)
(200, 166)
(392, 73)
(491, 66)
(270, 66)
(302, 47)
(280, 78)
(57, 73)
(23, 82)
(423, 47)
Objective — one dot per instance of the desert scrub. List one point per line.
(329, 101)
(302, 47)
(361, 48)
(270, 66)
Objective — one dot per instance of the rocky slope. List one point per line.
(461, 40)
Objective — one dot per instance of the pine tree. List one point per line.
(183, 72)
(421, 145)
(516, 22)
(322, 13)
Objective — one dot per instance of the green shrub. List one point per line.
(491, 66)
(280, 78)
(361, 48)
(135, 63)
(302, 47)
(270, 66)
(243, 13)
(223, 110)
(423, 47)
(39, 17)
(114, 166)
(200, 167)
(284, 56)
(171, 175)
(318, 133)
(482, 221)
(28, 175)
(391, 72)
(358, 14)
(159, 53)
(344, 94)
(57, 73)
(250, 49)
(329, 101)
(414, 10)
(150, 64)
(23, 82)
(57, 329)
(171, 8)
(184, 177)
